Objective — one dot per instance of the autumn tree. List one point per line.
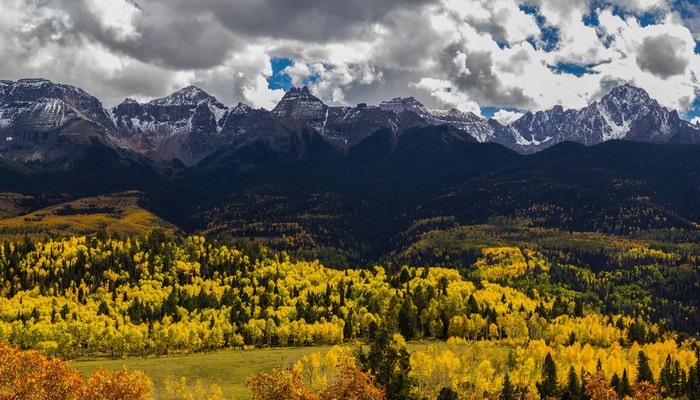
(352, 384)
(390, 362)
(117, 385)
(597, 388)
(280, 384)
(644, 390)
(29, 375)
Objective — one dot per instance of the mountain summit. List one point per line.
(43, 121)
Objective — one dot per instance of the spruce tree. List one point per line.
(447, 393)
(548, 386)
(624, 389)
(573, 389)
(390, 364)
(407, 320)
(507, 391)
(615, 382)
(643, 370)
(666, 376)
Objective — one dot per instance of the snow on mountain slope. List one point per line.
(37, 115)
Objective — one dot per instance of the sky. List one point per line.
(495, 58)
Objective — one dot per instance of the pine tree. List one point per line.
(666, 376)
(624, 389)
(390, 364)
(643, 370)
(548, 386)
(507, 391)
(573, 389)
(407, 320)
(447, 393)
(615, 382)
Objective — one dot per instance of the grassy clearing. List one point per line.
(228, 369)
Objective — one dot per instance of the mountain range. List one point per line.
(348, 185)
(41, 121)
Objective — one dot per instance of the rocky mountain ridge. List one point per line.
(41, 122)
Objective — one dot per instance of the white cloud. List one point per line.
(639, 5)
(671, 78)
(117, 17)
(446, 53)
(444, 92)
(506, 117)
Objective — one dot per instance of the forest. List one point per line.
(502, 313)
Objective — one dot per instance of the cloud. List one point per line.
(695, 121)
(663, 55)
(447, 96)
(506, 117)
(689, 13)
(640, 6)
(447, 53)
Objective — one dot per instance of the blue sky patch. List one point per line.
(549, 37)
(278, 79)
(487, 112)
(694, 110)
(573, 69)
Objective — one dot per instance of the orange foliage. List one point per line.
(117, 385)
(280, 385)
(597, 388)
(353, 384)
(647, 391)
(28, 375)
(350, 384)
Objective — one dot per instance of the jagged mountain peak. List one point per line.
(33, 89)
(44, 105)
(187, 96)
(304, 90)
(301, 104)
(628, 91)
(298, 94)
(628, 99)
(241, 108)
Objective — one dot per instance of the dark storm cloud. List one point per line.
(355, 50)
(607, 83)
(306, 20)
(663, 56)
(480, 81)
(162, 35)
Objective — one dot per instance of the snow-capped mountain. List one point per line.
(43, 121)
(185, 125)
(469, 122)
(342, 126)
(627, 112)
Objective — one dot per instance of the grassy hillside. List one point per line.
(121, 213)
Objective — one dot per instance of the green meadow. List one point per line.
(228, 369)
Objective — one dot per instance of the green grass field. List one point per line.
(228, 369)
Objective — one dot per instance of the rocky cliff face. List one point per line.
(43, 121)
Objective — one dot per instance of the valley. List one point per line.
(314, 239)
